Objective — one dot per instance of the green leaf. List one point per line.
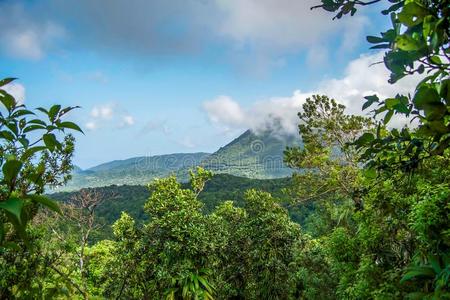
(22, 112)
(7, 100)
(388, 117)
(370, 173)
(381, 46)
(31, 151)
(11, 169)
(367, 137)
(53, 112)
(425, 95)
(436, 60)
(7, 135)
(33, 128)
(67, 109)
(407, 43)
(375, 39)
(13, 206)
(434, 262)
(370, 101)
(46, 202)
(41, 109)
(5, 81)
(70, 125)
(24, 141)
(418, 272)
(412, 14)
(391, 102)
(428, 25)
(50, 141)
(37, 121)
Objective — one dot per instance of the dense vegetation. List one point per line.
(377, 227)
(131, 198)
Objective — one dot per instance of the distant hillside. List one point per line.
(253, 155)
(133, 171)
(257, 156)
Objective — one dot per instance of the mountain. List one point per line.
(251, 155)
(134, 171)
(258, 156)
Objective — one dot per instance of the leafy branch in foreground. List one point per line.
(35, 152)
(416, 43)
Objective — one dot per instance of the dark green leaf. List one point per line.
(6, 81)
(7, 100)
(42, 110)
(7, 135)
(31, 151)
(425, 95)
(50, 141)
(33, 128)
(375, 39)
(388, 116)
(53, 112)
(70, 125)
(364, 139)
(46, 202)
(13, 206)
(22, 112)
(418, 272)
(37, 121)
(11, 169)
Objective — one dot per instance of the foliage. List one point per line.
(31, 157)
(411, 163)
(219, 188)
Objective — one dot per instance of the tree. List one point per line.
(411, 163)
(31, 157)
(81, 212)
(417, 42)
(35, 153)
(327, 162)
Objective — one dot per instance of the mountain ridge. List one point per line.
(252, 155)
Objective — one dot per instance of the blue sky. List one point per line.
(157, 77)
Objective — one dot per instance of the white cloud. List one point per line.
(262, 31)
(91, 125)
(109, 115)
(255, 34)
(24, 36)
(279, 112)
(365, 76)
(361, 78)
(16, 90)
(276, 24)
(127, 120)
(224, 110)
(104, 111)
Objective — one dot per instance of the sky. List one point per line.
(169, 76)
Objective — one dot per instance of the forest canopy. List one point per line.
(373, 199)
